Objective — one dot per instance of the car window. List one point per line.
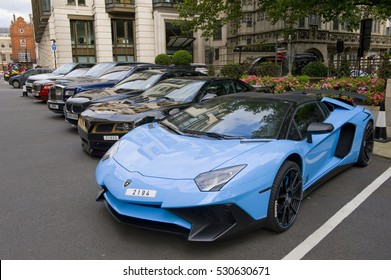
(216, 88)
(303, 117)
(239, 87)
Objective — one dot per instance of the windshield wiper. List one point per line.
(171, 127)
(211, 134)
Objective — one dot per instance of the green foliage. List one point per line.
(232, 70)
(182, 57)
(384, 70)
(373, 88)
(268, 69)
(163, 59)
(207, 14)
(211, 70)
(315, 69)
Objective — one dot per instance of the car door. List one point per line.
(318, 155)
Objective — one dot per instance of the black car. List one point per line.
(19, 80)
(133, 85)
(101, 125)
(59, 93)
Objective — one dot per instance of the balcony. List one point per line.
(165, 3)
(41, 15)
(120, 6)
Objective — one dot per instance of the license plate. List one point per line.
(140, 193)
(110, 137)
(72, 116)
(29, 85)
(53, 106)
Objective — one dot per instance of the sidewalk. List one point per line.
(382, 149)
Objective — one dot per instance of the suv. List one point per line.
(59, 93)
(58, 73)
(19, 80)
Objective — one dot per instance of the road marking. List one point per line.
(304, 247)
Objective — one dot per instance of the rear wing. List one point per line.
(335, 94)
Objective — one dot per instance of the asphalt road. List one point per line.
(48, 208)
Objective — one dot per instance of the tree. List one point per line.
(205, 15)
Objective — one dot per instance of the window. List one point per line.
(83, 41)
(217, 54)
(302, 23)
(217, 33)
(22, 42)
(304, 116)
(3, 57)
(79, 2)
(122, 39)
(335, 25)
(2, 45)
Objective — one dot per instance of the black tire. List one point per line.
(285, 197)
(16, 84)
(367, 143)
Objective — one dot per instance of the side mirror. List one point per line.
(208, 96)
(318, 128)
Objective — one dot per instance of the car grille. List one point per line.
(56, 93)
(104, 127)
(215, 214)
(37, 87)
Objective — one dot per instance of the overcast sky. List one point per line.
(21, 8)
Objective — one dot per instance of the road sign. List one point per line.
(54, 47)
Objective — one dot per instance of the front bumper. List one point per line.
(97, 144)
(56, 106)
(197, 223)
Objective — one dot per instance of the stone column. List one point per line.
(145, 32)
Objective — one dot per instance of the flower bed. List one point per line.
(373, 88)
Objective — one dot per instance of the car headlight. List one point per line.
(216, 179)
(112, 151)
(68, 92)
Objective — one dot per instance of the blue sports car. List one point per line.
(233, 162)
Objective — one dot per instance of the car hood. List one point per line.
(95, 93)
(153, 151)
(123, 111)
(43, 76)
(88, 83)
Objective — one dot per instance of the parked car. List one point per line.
(232, 163)
(101, 125)
(41, 88)
(200, 67)
(299, 61)
(20, 80)
(58, 73)
(133, 85)
(59, 93)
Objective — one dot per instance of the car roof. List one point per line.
(206, 78)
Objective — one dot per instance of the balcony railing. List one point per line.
(165, 3)
(113, 6)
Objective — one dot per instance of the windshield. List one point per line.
(99, 69)
(118, 75)
(64, 69)
(176, 90)
(76, 73)
(242, 117)
(139, 81)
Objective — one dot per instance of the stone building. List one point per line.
(106, 30)
(5, 47)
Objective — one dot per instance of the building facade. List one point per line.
(257, 37)
(22, 40)
(5, 47)
(107, 30)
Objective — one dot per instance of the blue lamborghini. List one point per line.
(233, 163)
